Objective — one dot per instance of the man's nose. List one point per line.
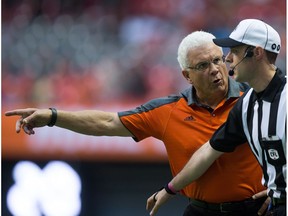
(214, 68)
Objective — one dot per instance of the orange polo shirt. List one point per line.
(183, 126)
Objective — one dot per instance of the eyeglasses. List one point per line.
(203, 66)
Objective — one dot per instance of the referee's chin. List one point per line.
(239, 78)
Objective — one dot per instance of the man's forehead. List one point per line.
(205, 51)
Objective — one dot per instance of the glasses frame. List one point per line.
(203, 66)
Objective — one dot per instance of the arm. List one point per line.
(89, 122)
(196, 166)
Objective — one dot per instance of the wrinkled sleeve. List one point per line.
(149, 119)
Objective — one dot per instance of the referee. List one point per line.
(259, 116)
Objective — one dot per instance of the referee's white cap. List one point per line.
(252, 32)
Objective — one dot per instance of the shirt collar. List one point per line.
(234, 89)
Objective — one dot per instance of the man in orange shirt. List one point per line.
(183, 122)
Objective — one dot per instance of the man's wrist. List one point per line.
(170, 189)
(53, 117)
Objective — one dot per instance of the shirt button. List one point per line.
(213, 114)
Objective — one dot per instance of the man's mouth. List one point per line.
(217, 81)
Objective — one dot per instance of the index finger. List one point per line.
(13, 112)
(17, 112)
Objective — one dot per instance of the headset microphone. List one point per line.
(248, 54)
(231, 72)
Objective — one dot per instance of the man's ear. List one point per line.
(186, 76)
(258, 52)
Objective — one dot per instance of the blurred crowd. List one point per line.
(87, 52)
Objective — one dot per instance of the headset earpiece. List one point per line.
(249, 53)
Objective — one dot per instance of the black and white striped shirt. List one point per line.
(260, 120)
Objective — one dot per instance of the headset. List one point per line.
(249, 52)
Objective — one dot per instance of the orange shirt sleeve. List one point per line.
(149, 119)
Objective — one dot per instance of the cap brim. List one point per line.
(226, 42)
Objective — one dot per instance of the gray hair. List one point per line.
(192, 40)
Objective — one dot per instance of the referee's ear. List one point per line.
(259, 52)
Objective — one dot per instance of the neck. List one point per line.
(263, 79)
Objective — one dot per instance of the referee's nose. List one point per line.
(229, 57)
